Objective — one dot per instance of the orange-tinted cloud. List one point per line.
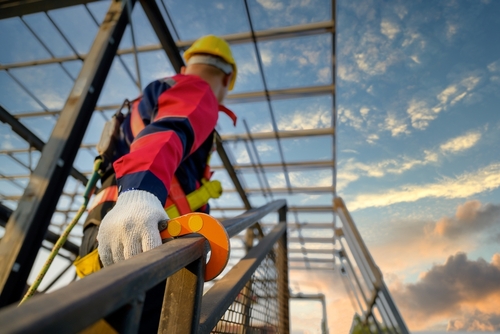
(463, 291)
(475, 321)
(409, 245)
(471, 217)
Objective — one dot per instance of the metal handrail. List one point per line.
(118, 288)
(371, 274)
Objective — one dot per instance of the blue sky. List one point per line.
(417, 129)
(417, 98)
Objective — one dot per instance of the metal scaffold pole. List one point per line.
(27, 226)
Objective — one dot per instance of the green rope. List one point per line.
(62, 239)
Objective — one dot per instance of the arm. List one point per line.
(184, 116)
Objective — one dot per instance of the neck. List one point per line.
(214, 79)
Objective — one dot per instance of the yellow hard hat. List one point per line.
(215, 46)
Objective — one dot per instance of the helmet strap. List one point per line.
(210, 60)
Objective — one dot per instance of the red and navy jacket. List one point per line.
(169, 130)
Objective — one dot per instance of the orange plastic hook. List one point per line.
(212, 230)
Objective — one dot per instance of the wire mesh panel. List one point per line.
(257, 307)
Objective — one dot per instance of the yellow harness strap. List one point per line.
(199, 197)
(88, 264)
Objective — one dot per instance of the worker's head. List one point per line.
(211, 59)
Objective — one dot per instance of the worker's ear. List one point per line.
(183, 69)
(227, 79)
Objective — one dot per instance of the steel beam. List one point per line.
(300, 30)
(32, 139)
(308, 226)
(167, 42)
(27, 225)
(313, 251)
(279, 94)
(291, 165)
(281, 134)
(247, 97)
(241, 38)
(325, 208)
(293, 190)
(11, 8)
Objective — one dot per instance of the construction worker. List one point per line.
(161, 155)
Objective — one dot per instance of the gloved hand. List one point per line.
(131, 227)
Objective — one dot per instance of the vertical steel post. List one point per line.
(27, 225)
(127, 318)
(283, 283)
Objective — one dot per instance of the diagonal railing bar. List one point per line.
(102, 293)
(239, 223)
(371, 274)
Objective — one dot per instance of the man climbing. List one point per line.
(162, 154)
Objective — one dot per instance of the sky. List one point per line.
(417, 96)
(418, 165)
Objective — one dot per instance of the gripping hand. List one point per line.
(131, 227)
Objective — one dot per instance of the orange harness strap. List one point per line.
(178, 197)
(136, 122)
(109, 194)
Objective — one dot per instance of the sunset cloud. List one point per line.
(427, 242)
(462, 186)
(448, 290)
(471, 217)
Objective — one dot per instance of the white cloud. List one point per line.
(420, 114)
(401, 11)
(313, 118)
(462, 186)
(371, 139)
(242, 156)
(349, 117)
(276, 180)
(271, 4)
(324, 75)
(446, 93)
(395, 126)
(389, 29)
(321, 178)
(266, 55)
(410, 38)
(461, 143)
(372, 63)
(451, 30)
(364, 111)
(415, 59)
(263, 147)
(262, 127)
(347, 73)
(494, 67)
(456, 92)
(351, 170)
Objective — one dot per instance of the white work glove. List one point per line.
(131, 227)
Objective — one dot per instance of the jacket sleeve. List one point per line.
(184, 111)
